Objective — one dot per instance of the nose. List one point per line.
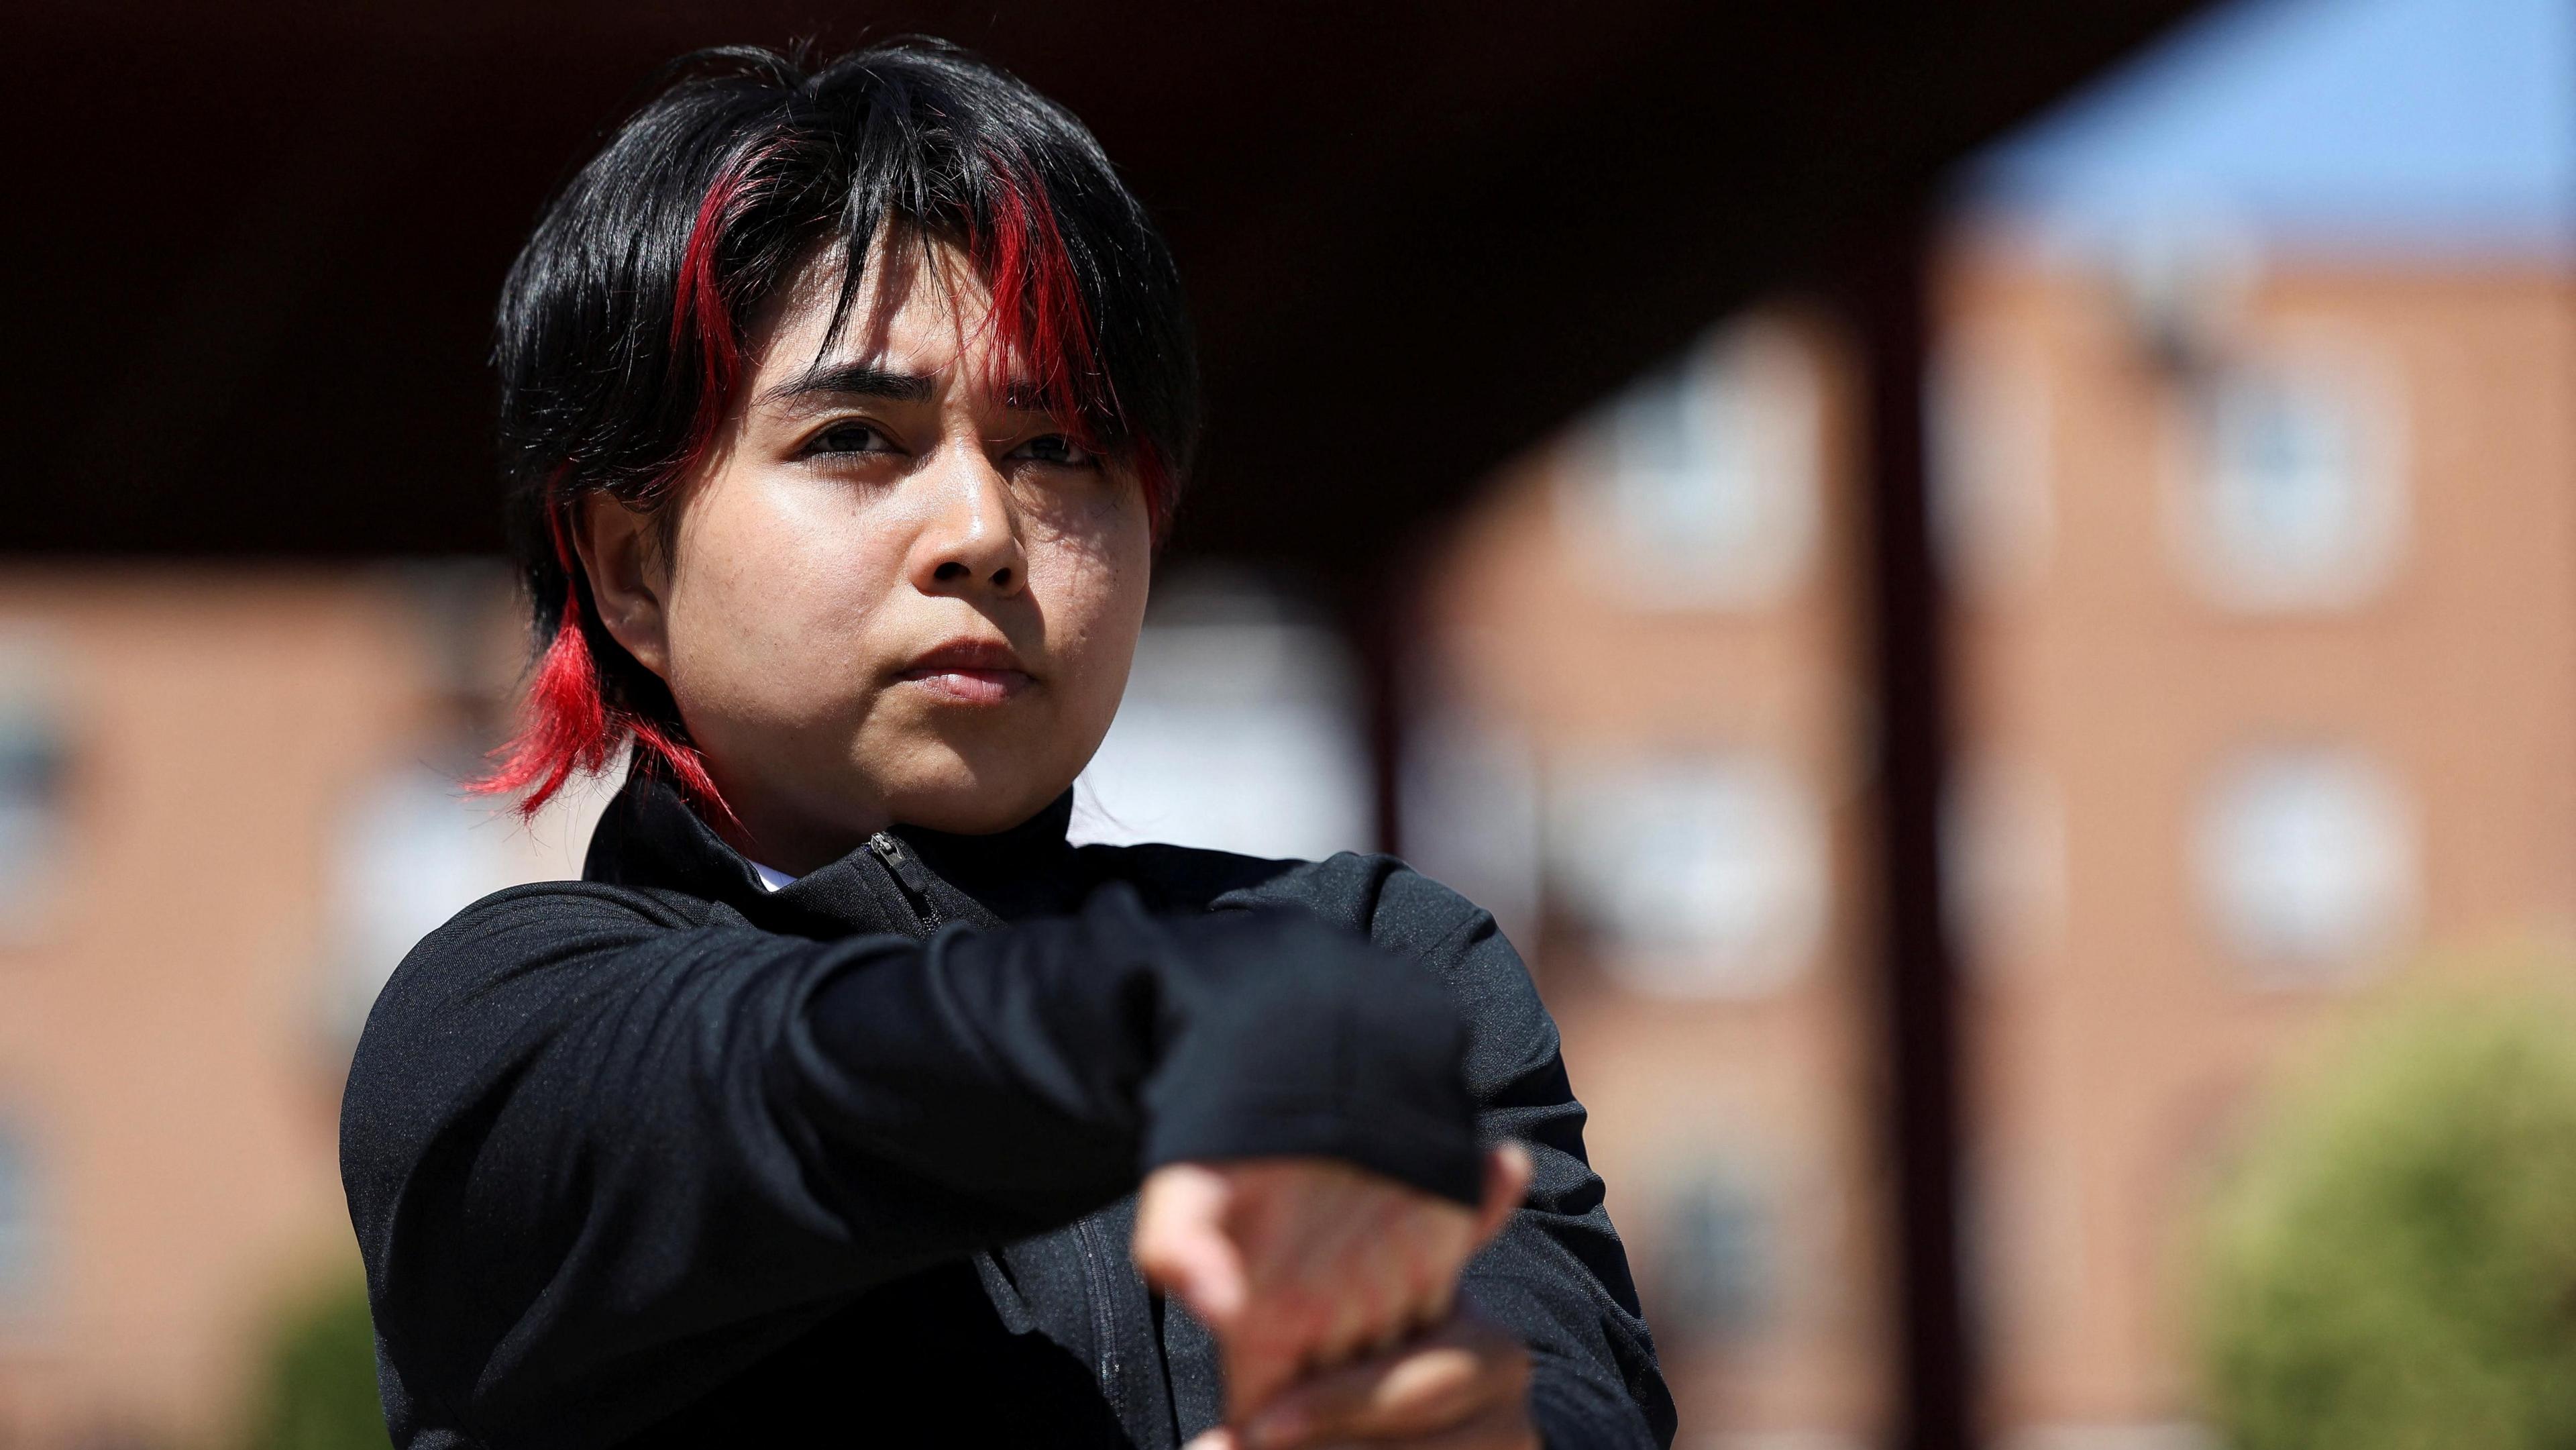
(970, 543)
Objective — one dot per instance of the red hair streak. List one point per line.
(1039, 321)
(568, 726)
(700, 312)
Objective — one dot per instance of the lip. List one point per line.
(968, 672)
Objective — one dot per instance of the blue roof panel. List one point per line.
(2441, 122)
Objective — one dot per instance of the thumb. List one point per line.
(1508, 1171)
(1181, 1246)
(1205, 1272)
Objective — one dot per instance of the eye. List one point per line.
(848, 438)
(1057, 450)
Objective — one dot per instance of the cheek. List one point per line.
(1092, 585)
(768, 602)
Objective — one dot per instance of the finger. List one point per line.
(1433, 1252)
(1200, 1267)
(1219, 1438)
(1408, 1391)
(1356, 1273)
(1498, 1427)
(1424, 1255)
(1260, 1361)
(1371, 1307)
(1182, 1249)
(1508, 1171)
(1437, 1381)
(1432, 1248)
(1353, 1324)
(1452, 1239)
(1299, 1261)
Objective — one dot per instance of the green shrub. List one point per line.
(2395, 1267)
(318, 1386)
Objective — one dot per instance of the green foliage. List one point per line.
(318, 1388)
(2395, 1269)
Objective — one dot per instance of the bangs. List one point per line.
(994, 210)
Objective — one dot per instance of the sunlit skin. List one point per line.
(894, 593)
(1332, 1295)
(891, 596)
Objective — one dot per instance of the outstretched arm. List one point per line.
(585, 1142)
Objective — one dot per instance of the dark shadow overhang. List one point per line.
(255, 255)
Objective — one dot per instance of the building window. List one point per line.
(1472, 813)
(34, 774)
(1716, 1258)
(1986, 417)
(413, 848)
(1239, 731)
(1698, 487)
(2004, 874)
(19, 1248)
(1700, 877)
(2307, 861)
(2293, 496)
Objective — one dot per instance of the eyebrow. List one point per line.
(853, 380)
(865, 380)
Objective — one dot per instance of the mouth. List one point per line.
(968, 672)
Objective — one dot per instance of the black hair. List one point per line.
(621, 325)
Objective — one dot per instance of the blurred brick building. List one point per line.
(2268, 678)
(224, 795)
(2254, 469)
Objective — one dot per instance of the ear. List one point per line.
(622, 554)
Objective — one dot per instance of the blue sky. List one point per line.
(2441, 123)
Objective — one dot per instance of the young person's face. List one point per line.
(890, 595)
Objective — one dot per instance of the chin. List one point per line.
(968, 806)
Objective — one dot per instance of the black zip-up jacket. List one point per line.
(662, 1158)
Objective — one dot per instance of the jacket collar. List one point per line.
(650, 837)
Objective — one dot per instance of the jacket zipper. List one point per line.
(915, 882)
(1104, 1315)
(908, 875)
(1098, 1289)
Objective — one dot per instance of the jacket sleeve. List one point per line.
(585, 1140)
(1556, 1275)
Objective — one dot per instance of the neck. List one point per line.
(797, 842)
(772, 832)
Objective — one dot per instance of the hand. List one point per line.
(1297, 1264)
(1463, 1386)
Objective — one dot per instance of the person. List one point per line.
(843, 407)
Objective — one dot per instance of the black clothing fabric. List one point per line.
(663, 1158)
